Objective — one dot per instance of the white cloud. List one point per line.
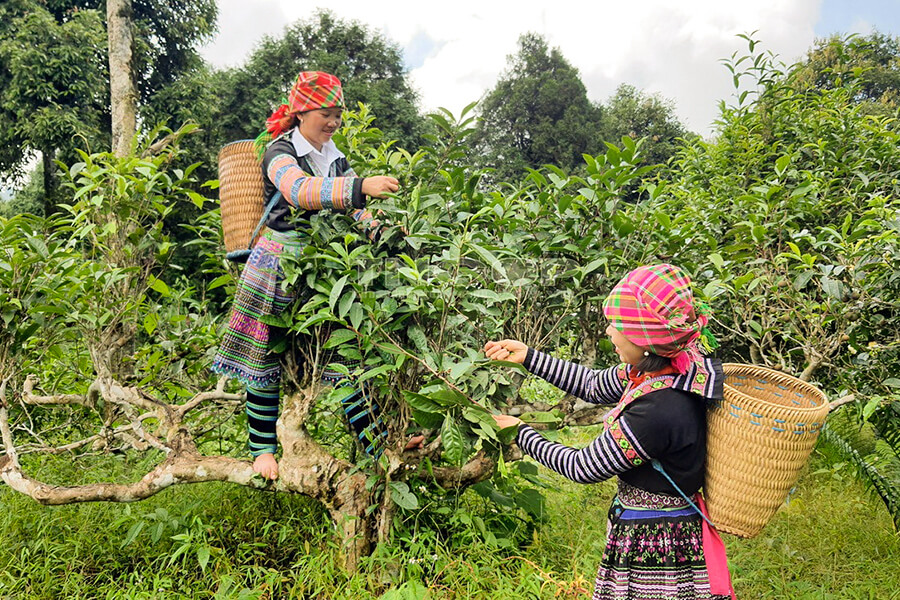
(242, 24)
(660, 46)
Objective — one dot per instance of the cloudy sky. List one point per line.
(455, 51)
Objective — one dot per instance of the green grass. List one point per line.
(832, 540)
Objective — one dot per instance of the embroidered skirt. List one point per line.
(246, 353)
(654, 550)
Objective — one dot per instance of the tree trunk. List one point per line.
(47, 157)
(123, 96)
(307, 468)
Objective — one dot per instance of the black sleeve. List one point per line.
(358, 200)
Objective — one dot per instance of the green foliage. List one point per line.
(28, 199)
(870, 64)
(166, 36)
(26, 309)
(870, 469)
(54, 80)
(538, 113)
(819, 545)
(116, 221)
(54, 95)
(412, 309)
(787, 220)
(191, 98)
(57, 71)
(792, 210)
(791, 216)
(91, 280)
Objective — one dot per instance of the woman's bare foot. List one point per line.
(266, 465)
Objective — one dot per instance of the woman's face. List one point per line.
(317, 126)
(628, 351)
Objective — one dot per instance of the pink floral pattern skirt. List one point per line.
(654, 549)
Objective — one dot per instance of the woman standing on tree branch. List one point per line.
(301, 162)
(654, 438)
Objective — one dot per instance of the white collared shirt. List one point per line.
(319, 161)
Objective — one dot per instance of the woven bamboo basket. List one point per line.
(759, 439)
(240, 196)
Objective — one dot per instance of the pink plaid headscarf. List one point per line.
(654, 308)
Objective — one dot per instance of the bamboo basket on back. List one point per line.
(758, 440)
(240, 198)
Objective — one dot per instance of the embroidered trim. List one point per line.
(633, 393)
(624, 444)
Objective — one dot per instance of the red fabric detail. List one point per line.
(682, 361)
(714, 552)
(624, 445)
(315, 89)
(633, 391)
(637, 379)
(273, 123)
(312, 90)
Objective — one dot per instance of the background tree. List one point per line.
(55, 76)
(56, 96)
(630, 112)
(369, 66)
(173, 80)
(29, 198)
(166, 36)
(871, 62)
(11, 160)
(538, 113)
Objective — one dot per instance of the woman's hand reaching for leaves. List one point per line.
(504, 421)
(508, 350)
(380, 186)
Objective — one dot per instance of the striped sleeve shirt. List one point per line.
(304, 192)
(600, 386)
(312, 193)
(600, 460)
(668, 424)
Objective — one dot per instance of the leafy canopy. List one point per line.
(871, 63)
(54, 94)
(538, 113)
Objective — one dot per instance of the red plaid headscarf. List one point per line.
(654, 308)
(313, 89)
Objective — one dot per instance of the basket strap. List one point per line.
(265, 217)
(658, 466)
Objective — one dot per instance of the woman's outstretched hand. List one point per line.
(380, 186)
(508, 350)
(504, 421)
